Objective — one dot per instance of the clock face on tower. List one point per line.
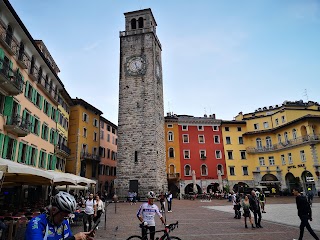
(136, 66)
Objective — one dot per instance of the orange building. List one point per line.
(84, 139)
(108, 155)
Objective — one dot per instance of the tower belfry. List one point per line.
(141, 141)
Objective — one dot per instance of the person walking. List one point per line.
(162, 200)
(236, 205)
(304, 213)
(90, 211)
(255, 208)
(146, 214)
(169, 200)
(310, 196)
(262, 199)
(100, 209)
(246, 211)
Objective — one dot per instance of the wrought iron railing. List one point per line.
(12, 77)
(20, 122)
(64, 148)
(10, 41)
(49, 88)
(285, 144)
(85, 155)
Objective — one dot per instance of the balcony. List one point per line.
(203, 157)
(89, 156)
(51, 92)
(10, 82)
(173, 176)
(63, 150)
(17, 126)
(307, 139)
(23, 60)
(34, 73)
(9, 43)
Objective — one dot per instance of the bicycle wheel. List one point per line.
(172, 238)
(134, 237)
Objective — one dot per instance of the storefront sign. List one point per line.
(309, 179)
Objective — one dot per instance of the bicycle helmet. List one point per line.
(151, 194)
(65, 202)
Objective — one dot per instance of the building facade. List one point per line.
(283, 145)
(141, 145)
(84, 139)
(173, 153)
(108, 155)
(29, 92)
(202, 161)
(238, 166)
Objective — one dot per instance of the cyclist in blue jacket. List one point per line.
(53, 224)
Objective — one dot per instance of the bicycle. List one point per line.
(165, 236)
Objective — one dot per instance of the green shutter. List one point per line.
(56, 138)
(8, 105)
(57, 116)
(39, 124)
(26, 89)
(35, 157)
(5, 147)
(14, 148)
(42, 131)
(26, 160)
(11, 68)
(1, 141)
(31, 120)
(41, 101)
(34, 96)
(18, 110)
(24, 115)
(1, 58)
(49, 110)
(48, 163)
(54, 162)
(39, 160)
(20, 151)
(44, 159)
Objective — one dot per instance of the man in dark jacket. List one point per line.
(255, 208)
(304, 213)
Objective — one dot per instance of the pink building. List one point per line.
(108, 155)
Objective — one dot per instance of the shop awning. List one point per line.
(22, 174)
(61, 178)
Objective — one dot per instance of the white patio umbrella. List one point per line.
(220, 180)
(194, 181)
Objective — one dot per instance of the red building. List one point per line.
(201, 151)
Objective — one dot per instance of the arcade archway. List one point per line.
(270, 181)
(291, 181)
(213, 187)
(189, 189)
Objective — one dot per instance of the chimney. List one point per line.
(213, 116)
(205, 115)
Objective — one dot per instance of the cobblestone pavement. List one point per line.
(209, 220)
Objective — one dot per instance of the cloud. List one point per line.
(307, 10)
(91, 46)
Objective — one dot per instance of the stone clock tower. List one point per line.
(141, 158)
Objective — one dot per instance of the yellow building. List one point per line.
(238, 165)
(62, 151)
(283, 144)
(172, 152)
(84, 139)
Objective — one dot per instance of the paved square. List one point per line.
(211, 220)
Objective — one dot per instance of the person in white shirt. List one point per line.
(100, 209)
(90, 212)
(169, 200)
(146, 214)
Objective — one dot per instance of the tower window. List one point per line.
(140, 22)
(133, 23)
(135, 156)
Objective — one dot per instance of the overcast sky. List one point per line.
(218, 57)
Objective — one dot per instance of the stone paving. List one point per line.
(209, 220)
